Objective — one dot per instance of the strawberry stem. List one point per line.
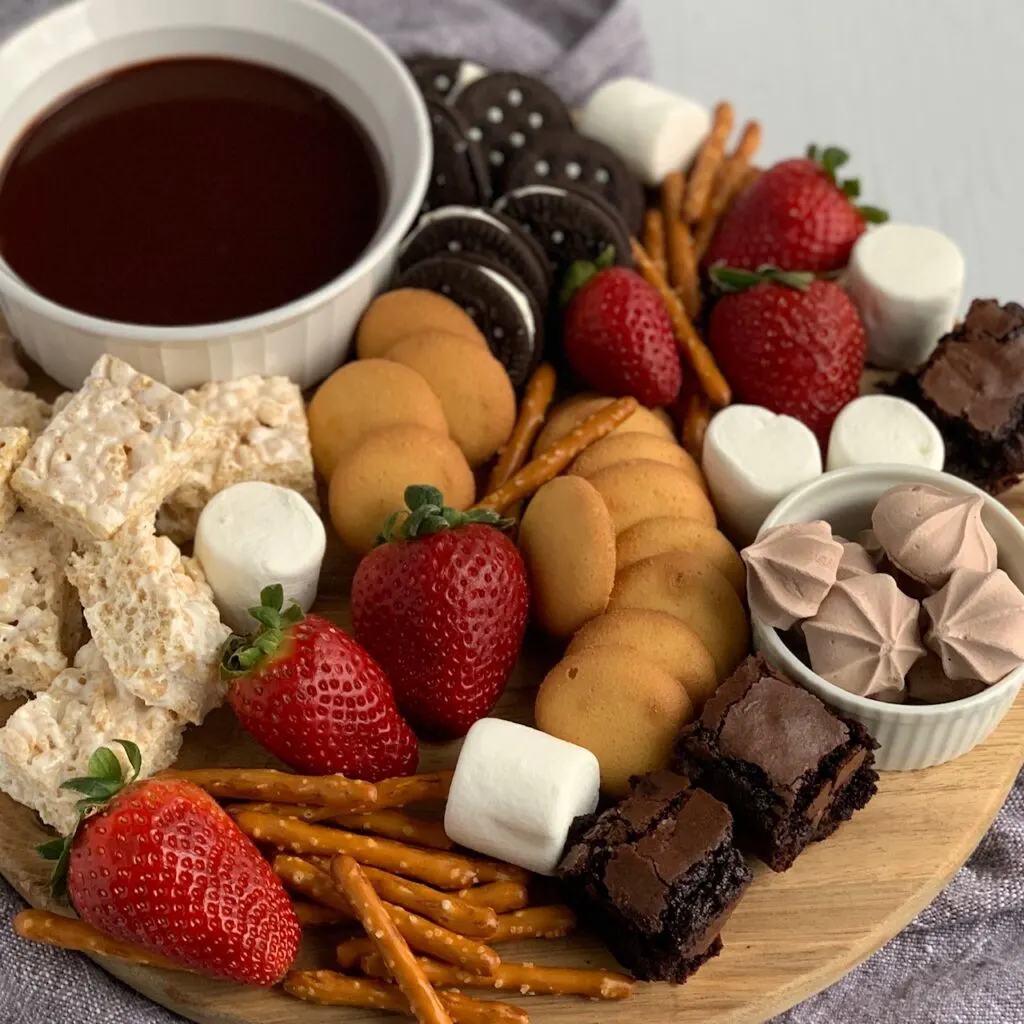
(427, 513)
(581, 271)
(730, 280)
(241, 654)
(830, 159)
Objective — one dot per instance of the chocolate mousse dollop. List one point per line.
(976, 625)
(865, 637)
(790, 569)
(928, 533)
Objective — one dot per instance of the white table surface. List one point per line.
(926, 95)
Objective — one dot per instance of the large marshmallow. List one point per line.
(253, 535)
(907, 282)
(752, 459)
(655, 131)
(881, 428)
(517, 791)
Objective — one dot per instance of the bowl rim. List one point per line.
(384, 243)
(780, 652)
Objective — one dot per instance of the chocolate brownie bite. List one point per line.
(656, 877)
(790, 769)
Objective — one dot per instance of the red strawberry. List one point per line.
(160, 864)
(788, 342)
(442, 605)
(618, 336)
(795, 216)
(314, 697)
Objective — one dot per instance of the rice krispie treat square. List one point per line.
(51, 738)
(14, 445)
(113, 453)
(263, 435)
(36, 604)
(12, 373)
(152, 617)
(23, 409)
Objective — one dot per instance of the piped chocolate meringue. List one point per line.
(855, 561)
(790, 569)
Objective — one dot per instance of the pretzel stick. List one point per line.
(708, 161)
(311, 915)
(443, 870)
(695, 425)
(398, 825)
(413, 789)
(328, 988)
(523, 979)
(554, 922)
(551, 462)
(301, 812)
(697, 353)
(654, 238)
(540, 390)
(352, 951)
(280, 787)
(70, 933)
(499, 896)
(683, 273)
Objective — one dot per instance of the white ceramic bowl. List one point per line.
(303, 340)
(911, 736)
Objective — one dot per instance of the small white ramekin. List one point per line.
(304, 340)
(911, 736)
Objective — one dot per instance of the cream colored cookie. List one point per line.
(574, 411)
(696, 592)
(477, 396)
(404, 311)
(642, 489)
(365, 396)
(660, 535)
(617, 704)
(370, 481)
(659, 637)
(568, 542)
(617, 448)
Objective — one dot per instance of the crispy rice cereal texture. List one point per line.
(23, 409)
(50, 739)
(112, 453)
(12, 373)
(36, 604)
(14, 445)
(152, 616)
(263, 435)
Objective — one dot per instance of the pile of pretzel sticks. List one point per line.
(428, 916)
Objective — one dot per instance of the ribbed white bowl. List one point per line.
(910, 736)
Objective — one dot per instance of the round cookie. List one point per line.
(622, 447)
(663, 534)
(397, 314)
(644, 489)
(568, 542)
(693, 590)
(660, 637)
(571, 413)
(362, 397)
(438, 77)
(475, 392)
(370, 481)
(618, 705)
(459, 173)
(570, 160)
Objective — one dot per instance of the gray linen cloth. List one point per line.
(960, 962)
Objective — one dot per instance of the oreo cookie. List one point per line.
(500, 307)
(505, 112)
(570, 160)
(438, 77)
(463, 230)
(459, 174)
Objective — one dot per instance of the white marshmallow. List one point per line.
(654, 130)
(881, 428)
(516, 791)
(907, 283)
(752, 459)
(252, 535)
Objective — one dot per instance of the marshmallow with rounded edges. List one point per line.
(517, 791)
(752, 459)
(654, 130)
(907, 283)
(252, 535)
(882, 428)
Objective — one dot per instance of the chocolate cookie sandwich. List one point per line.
(458, 174)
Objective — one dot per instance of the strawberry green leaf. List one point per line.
(134, 755)
(427, 514)
(423, 495)
(52, 848)
(850, 188)
(104, 765)
(272, 597)
(243, 653)
(94, 789)
(730, 280)
(873, 215)
(581, 271)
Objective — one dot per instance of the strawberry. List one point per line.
(795, 216)
(159, 863)
(788, 342)
(315, 698)
(618, 336)
(442, 605)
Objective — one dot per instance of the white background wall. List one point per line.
(926, 95)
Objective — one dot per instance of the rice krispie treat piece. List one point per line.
(113, 452)
(23, 409)
(12, 373)
(263, 435)
(51, 738)
(152, 617)
(14, 445)
(36, 604)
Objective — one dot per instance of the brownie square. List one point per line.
(656, 877)
(789, 768)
